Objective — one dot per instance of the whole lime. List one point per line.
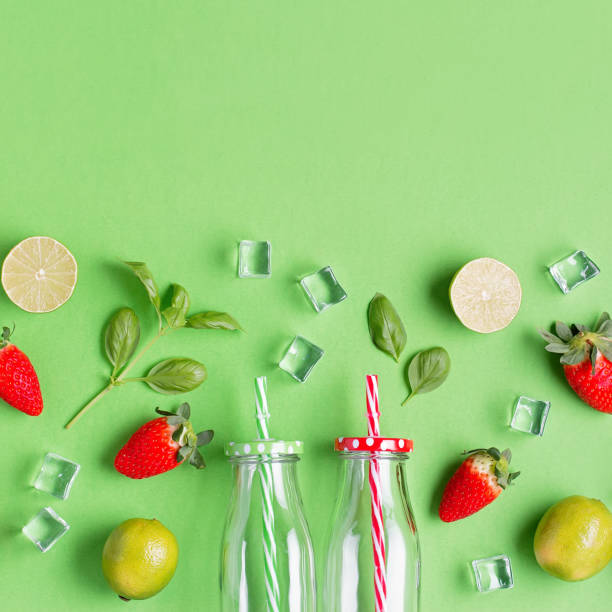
(139, 558)
(573, 540)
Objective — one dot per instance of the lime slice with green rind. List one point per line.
(39, 274)
(485, 295)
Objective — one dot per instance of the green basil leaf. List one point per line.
(144, 275)
(176, 375)
(427, 370)
(176, 313)
(213, 320)
(386, 328)
(121, 337)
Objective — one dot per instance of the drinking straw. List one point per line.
(267, 494)
(378, 530)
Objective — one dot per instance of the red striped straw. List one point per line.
(378, 529)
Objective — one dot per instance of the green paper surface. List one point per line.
(393, 141)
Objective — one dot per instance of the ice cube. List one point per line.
(300, 358)
(57, 475)
(493, 573)
(323, 289)
(254, 259)
(46, 528)
(530, 415)
(573, 271)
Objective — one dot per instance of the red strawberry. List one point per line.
(18, 381)
(478, 481)
(587, 359)
(162, 444)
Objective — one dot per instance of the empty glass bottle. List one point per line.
(351, 580)
(267, 559)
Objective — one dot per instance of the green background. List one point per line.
(392, 140)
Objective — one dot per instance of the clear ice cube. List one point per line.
(57, 475)
(573, 271)
(300, 358)
(46, 528)
(530, 415)
(323, 289)
(493, 573)
(254, 259)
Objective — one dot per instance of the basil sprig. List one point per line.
(427, 371)
(386, 328)
(122, 335)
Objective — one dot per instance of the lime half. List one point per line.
(485, 294)
(39, 274)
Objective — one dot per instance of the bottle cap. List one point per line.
(374, 443)
(264, 447)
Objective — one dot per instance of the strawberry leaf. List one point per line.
(602, 322)
(555, 347)
(197, 460)
(205, 437)
(563, 331)
(551, 338)
(574, 356)
(184, 410)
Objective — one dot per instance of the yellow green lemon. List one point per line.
(573, 540)
(139, 558)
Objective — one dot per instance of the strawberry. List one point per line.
(587, 359)
(161, 445)
(478, 481)
(18, 381)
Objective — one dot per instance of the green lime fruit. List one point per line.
(485, 295)
(139, 558)
(573, 540)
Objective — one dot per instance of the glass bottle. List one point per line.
(267, 559)
(350, 572)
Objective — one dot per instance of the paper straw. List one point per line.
(267, 495)
(378, 530)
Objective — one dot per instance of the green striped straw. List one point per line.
(267, 495)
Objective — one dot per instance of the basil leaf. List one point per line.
(386, 328)
(213, 320)
(177, 375)
(121, 337)
(427, 371)
(176, 313)
(144, 275)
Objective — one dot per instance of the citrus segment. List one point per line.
(485, 295)
(39, 274)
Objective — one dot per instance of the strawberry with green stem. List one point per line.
(479, 480)
(171, 376)
(587, 359)
(162, 444)
(19, 385)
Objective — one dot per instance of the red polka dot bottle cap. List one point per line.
(374, 443)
